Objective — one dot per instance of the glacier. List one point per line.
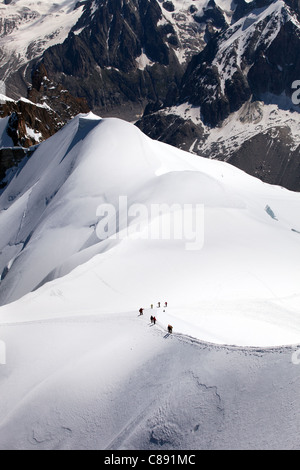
(83, 370)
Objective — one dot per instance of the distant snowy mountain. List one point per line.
(256, 56)
(211, 77)
(27, 28)
(235, 100)
(98, 220)
(259, 138)
(221, 289)
(118, 55)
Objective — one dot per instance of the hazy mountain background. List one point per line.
(214, 78)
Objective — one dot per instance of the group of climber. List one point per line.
(158, 305)
(153, 318)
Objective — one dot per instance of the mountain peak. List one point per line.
(95, 168)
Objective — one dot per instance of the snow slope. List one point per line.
(82, 369)
(241, 286)
(114, 382)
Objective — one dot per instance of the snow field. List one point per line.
(240, 286)
(83, 370)
(116, 382)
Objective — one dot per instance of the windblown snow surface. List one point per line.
(83, 370)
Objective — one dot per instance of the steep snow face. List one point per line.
(232, 276)
(27, 28)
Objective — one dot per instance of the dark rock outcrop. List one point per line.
(28, 124)
(251, 64)
(171, 129)
(128, 59)
(276, 68)
(117, 56)
(267, 150)
(54, 96)
(272, 160)
(259, 57)
(11, 159)
(48, 107)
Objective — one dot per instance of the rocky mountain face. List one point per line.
(27, 122)
(256, 56)
(122, 54)
(212, 77)
(27, 28)
(118, 54)
(241, 84)
(11, 161)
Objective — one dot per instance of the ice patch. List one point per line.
(270, 212)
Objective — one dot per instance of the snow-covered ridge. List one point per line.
(6, 99)
(240, 287)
